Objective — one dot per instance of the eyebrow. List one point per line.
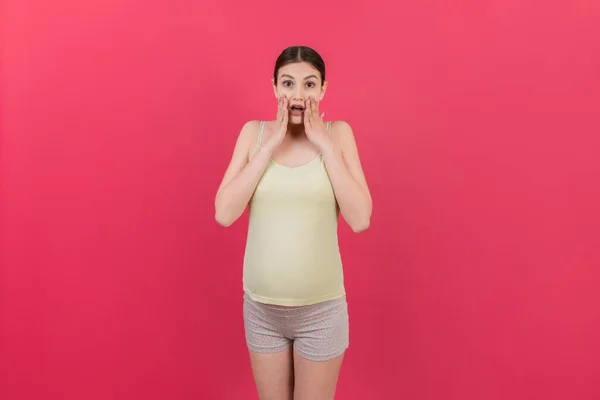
(305, 78)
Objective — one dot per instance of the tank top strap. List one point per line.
(259, 140)
(329, 128)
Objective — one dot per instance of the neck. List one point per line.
(296, 130)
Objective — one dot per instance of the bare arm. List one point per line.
(347, 177)
(241, 177)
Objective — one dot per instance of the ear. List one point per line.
(274, 87)
(323, 89)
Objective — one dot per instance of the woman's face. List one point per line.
(298, 82)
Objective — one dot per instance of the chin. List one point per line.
(296, 120)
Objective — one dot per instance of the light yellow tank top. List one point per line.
(292, 256)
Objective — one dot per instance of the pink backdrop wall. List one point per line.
(477, 122)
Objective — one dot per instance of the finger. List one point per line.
(282, 108)
(307, 113)
(315, 106)
(279, 101)
(314, 116)
(309, 108)
(286, 112)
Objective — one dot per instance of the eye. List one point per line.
(287, 83)
(310, 85)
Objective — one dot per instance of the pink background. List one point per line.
(477, 123)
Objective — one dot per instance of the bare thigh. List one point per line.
(316, 380)
(273, 374)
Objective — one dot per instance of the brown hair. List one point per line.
(296, 54)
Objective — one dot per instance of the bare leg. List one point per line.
(316, 380)
(273, 374)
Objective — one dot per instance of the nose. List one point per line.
(299, 94)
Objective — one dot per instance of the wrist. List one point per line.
(265, 151)
(329, 151)
(325, 145)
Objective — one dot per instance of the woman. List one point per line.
(296, 174)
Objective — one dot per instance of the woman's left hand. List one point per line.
(314, 126)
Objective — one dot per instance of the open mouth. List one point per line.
(296, 110)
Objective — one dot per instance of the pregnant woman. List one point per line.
(296, 174)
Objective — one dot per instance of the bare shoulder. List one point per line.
(248, 136)
(340, 128)
(269, 126)
(267, 130)
(343, 135)
(250, 129)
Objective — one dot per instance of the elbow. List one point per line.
(223, 219)
(226, 214)
(221, 213)
(224, 222)
(361, 225)
(360, 221)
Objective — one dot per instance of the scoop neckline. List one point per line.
(318, 156)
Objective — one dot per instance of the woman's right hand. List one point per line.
(279, 130)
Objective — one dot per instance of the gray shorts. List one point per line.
(318, 332)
